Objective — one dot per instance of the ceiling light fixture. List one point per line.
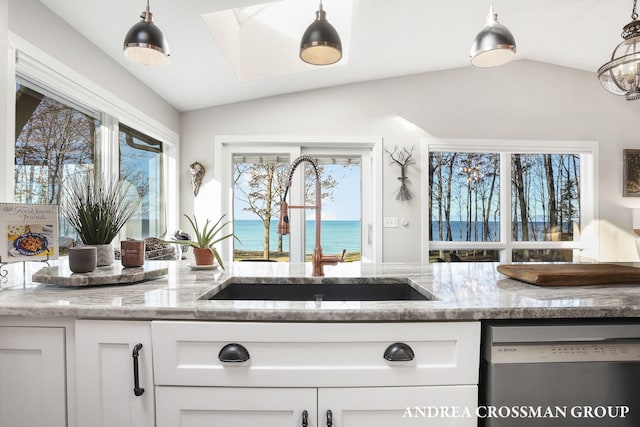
(145, 43)
(621, 75)
(320, 44)
(494, 45)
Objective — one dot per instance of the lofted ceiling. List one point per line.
(225, 51)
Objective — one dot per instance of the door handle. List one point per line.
(137, 390)
(329, 418)
(305, 418)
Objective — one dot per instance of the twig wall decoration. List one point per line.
(403, 158)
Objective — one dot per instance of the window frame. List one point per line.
(586, 247)
(225, 146)
(34, 65)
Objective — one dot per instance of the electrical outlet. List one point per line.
(390, 222)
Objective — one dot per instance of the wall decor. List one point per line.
(28, 232)
(197, 173)
(631, 173)
(403, 158)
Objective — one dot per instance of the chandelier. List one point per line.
(621, 75)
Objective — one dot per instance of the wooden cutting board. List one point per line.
(572, 274)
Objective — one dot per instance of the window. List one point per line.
(509, 202)
(252, 171)
(141, 166)
(259, 184)
(65, 124)
(54, 140)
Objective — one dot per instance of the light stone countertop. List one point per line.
(464, 291)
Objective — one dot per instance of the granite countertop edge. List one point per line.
(465, 292)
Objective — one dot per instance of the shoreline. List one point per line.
(244, 255)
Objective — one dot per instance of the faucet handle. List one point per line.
(341, 257)
(283, 223)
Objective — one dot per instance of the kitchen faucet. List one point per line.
(318, 260)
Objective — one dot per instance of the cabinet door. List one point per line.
(237, 407)
(434, 406)
(32, 377)
(105, 375)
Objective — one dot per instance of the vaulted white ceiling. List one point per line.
(225, 51)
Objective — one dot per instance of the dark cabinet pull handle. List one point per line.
(233, 352)
(305, 418)
(137, 390)
(329, 418)
(399, 352)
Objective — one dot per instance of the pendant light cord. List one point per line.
(634, 14)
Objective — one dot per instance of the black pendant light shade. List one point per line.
(494, 45)
(621, 75)
(320, 44)
(145, 43)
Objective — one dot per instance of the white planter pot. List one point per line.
(105, 254)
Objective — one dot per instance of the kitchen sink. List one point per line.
(310, 289)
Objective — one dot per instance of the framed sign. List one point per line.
(28, 232)
(631, 173)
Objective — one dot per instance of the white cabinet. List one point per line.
(105, 379)
(344, 407)
(32, 377)
(237, 407)
(285, 369)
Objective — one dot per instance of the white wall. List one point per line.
(523, 100)
(32, 21)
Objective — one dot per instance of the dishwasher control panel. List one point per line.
(566, 352)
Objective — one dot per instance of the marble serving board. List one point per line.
(110, 275)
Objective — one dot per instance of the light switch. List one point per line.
(390, 222)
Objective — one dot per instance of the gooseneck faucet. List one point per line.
(318, 260)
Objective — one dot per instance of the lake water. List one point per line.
(336, 235)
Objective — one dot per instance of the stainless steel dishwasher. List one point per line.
(578, 373)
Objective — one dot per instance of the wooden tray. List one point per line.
(572, 274)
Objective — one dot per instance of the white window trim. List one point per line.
(226, 145)
(41, 68)
(585, 249)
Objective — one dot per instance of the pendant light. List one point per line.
(145, 43)
(320, 44)
(494, 45)
(621, 75)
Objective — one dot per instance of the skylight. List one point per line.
(262, 40)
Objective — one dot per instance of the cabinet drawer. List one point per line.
(315, 354)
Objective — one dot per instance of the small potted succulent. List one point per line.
(97, 210)
(205, 238)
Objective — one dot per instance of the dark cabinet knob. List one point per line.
(233, 353)
(399, 352)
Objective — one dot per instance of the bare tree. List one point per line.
(52, 136)
(263, 187)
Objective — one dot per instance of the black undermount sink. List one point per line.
(309, 289)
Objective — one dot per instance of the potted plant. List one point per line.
(97, 211)
(205, 238)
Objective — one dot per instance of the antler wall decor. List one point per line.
(403, 158)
